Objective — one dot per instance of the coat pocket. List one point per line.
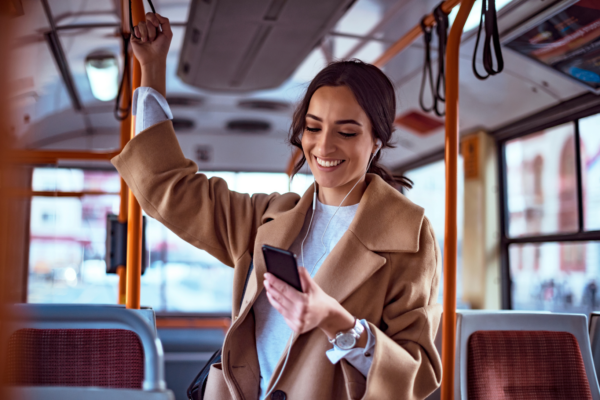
(356, 383)
(216, 388)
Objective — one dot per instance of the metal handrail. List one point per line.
(451, 222)
(68, 316)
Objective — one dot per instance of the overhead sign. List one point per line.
(566, 39)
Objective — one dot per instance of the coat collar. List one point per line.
(386, 221)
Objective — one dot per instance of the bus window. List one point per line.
(429, 192)
(589, 131)
(542, 183)
(551, 269)
(68, 234)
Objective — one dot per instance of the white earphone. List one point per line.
(379, 144)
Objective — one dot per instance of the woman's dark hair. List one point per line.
(374, 93)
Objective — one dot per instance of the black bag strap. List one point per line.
(196, 390)
(492, 37)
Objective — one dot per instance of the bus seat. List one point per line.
(101, 347)
(525, 355)
(595, 338)
(79, 393)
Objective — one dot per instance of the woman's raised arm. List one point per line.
(202, 211)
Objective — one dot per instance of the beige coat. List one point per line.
(385, 268)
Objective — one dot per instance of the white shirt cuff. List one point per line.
(360, 358)
(149, 108)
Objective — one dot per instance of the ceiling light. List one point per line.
(475, 15)
(103, 72)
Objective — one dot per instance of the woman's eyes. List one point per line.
(344, 134)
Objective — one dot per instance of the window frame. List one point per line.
(567, 112)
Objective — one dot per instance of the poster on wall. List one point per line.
(566, 39)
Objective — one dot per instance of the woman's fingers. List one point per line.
(143, 31)
(279, 296)
(166, 25)
(150, 17)
(136, 34)
(282, 287)
(305, 279)
(152, 29)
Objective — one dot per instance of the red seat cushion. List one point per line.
(111, 358)
(524, 365)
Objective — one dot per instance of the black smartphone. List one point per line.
(282, 264)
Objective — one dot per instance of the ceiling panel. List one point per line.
(70, 12)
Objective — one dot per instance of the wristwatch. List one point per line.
(347, 340)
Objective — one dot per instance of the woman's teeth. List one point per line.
(324, 163)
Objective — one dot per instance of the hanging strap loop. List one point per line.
(121, 113)
(438, 91)
(427, 71)
(492, 37)
(441, 28)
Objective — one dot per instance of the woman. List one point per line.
(372, 262)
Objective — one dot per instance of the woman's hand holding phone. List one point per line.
(309, 309)
(151, 50)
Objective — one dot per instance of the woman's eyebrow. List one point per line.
(340, 122)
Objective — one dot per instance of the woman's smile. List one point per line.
(328, 164)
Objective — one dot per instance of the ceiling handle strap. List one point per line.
(427, 72)
(492, 38)
(442, 23)
(121, 113)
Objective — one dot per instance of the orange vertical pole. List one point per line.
(450, 236)
(125, 137)
(134, 223)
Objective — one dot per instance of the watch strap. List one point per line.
(355, 331)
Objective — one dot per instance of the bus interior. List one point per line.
(498, 129)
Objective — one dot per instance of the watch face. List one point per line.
(345, 341)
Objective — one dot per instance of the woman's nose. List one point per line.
(325, 144)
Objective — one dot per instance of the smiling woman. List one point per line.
(347, 107)
(372, 262)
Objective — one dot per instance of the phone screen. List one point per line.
(282, 264)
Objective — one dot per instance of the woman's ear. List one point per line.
(378, 145)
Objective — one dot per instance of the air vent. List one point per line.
(183, 124)
(419, 123)
(267, 105)
(181, 101)
(248, 126)
(236, 46)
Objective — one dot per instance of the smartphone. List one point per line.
(282, 264)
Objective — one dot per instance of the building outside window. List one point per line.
(553, 208)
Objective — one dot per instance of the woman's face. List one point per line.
(337, 140)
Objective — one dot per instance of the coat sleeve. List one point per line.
(202, 211)
(406, 364)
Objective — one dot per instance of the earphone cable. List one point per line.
(290, 341)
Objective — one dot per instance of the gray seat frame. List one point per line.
(71, 316)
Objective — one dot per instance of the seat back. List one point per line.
(595, 338)
(81, 345)
(511, 354)
(111, 358)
